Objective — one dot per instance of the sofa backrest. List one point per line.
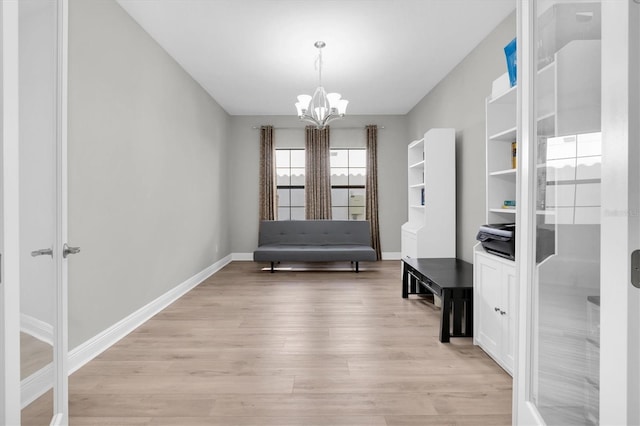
(314, 232)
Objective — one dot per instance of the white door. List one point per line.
(578, 213)
(42, 118)
(9, 236)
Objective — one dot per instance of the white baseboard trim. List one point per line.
(34, 386)
(242, 256)
(93, 347)
(36, 328)
(391, 255)
(41, 381)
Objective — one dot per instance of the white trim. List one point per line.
(524, 412)
(391, 255)
(61, 322)
(42, 380)
(36, 328)
(241, 257)
(99, 343)
(34, 386)
(9, 288)
(58, 419)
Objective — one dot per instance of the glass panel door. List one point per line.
(566, 291)
(42, 278)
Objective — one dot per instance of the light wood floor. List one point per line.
(34, 355)
(248, 347)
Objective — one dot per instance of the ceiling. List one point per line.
(255, 56)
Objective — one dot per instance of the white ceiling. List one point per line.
(255, 56)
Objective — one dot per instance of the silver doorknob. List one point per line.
(67, 250)
(42, 252)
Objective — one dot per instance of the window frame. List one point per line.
(289, 187)
(349, 186)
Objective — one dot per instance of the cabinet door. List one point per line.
(487, 304)
(508, 306)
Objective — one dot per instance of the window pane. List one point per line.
(297, 213)
(357, 176)
(283, 213)
(356, 197)
(339, 158)
(283, 177)
(297, 197)
(357, 158)
(339, 213)
(297, 158)
(339, 197)
(283, 197)
(297, 177)
(339, 176)
(282, 158)
(356, 213)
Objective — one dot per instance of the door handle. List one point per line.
(42, 252)
(67, 250)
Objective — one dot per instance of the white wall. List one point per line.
(148, 175)
(458, 102)
(289, 132)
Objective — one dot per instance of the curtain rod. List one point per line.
(302, 128)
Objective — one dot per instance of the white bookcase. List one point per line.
(431, 227)
(565, 111)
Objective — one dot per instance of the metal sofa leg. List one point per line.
(357, 270)
(272, 268)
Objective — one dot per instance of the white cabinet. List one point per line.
(431, 227)
(494, 306)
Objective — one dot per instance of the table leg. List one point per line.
(444, 320)
(468, 314)
(405, 281)
(457, 308)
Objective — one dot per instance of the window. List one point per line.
(348, 177)
(290, 184)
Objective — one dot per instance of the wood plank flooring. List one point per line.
(247, 347)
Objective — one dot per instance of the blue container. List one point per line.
(510, 52)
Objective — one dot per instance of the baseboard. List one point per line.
(36, 328)
(242, 256)
(41, 381)
(391, 255)
(34, 386)
(93, 347)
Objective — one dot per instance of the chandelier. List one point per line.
(322, 107)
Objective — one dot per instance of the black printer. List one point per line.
(499, 239)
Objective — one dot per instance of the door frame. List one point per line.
(9, 198)
(10, 404)
(60, 335)
(620, 302)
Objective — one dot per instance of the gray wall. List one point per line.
(458, 101)
(147, 170)
(289, 133)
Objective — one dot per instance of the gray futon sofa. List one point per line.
(314, 241)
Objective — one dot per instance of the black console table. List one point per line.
(451, 280)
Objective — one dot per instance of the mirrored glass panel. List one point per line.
(565, 375)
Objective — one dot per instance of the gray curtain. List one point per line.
(371, 188)
(267, 174)
(317, 187)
